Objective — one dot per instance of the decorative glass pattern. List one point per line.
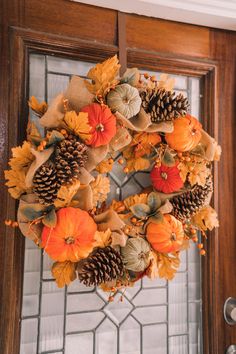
(156, 317)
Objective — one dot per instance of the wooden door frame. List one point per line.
(24, 42)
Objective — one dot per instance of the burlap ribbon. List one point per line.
(142, 122)
(210, 145)
(40, 158)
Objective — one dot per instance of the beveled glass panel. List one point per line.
(155, 316)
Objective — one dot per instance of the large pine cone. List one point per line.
(188, 203)
(46, 184)
(103, 265)
(163, 105)
(71, 155)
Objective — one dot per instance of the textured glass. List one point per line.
(155, 316)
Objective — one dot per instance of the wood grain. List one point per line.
(155, 35)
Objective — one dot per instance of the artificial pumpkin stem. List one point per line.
(100, 127)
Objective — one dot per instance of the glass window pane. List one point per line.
(155, 316)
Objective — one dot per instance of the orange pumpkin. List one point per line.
(73, 236)
(103, 124)
(167, 236)
(186, 134)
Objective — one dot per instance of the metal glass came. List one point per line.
(156, 317)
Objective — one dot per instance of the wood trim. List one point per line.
(122, 41)
(211, 265)
(167, 63)
(22, 43)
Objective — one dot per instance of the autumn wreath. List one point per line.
(60, 178)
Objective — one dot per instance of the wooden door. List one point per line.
(89, 34)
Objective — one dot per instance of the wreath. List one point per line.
(60, 179)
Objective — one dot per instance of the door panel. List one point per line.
(155, 317)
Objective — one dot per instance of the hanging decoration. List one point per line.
(61, 181)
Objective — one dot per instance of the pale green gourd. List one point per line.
(124, 99)
(135, 254)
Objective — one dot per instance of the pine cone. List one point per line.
(188, 203)
(71, 155)
(103, 265)
(163, 105)
(46, 184)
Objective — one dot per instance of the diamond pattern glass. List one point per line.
(156, 317)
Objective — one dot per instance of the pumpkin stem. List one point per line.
(100, 127)
(69, 240)
(164, 175)
(173, 237)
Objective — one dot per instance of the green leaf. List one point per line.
(32, 212)
(55, 138)
(168, 159)
(131, 77)
(140, 210)
(154, 201)
(50, 219)
(157, 219)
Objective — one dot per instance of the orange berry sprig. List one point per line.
(11, 223)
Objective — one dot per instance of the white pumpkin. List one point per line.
(135, 254)
(124, 99)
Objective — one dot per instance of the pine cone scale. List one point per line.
(104, 264)
(163, 105)
(188, 203)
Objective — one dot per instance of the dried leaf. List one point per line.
(168, 265)
(102, 238)
(16, 182)
(38, 108)
(140, 210)
(205, 219)
(135, 199)
(117, 205)
(144, 143)
(65, 195)
(64, 273)
(137, 164)
(194, 172)
(152, 270)
(78, 124)
(105, 166)
(100, 187)
(33, 134)
(22, 157)
(103, 76)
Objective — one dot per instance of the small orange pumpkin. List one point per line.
(103, 124)
(73, 236)
(167, 236)
(186, 134)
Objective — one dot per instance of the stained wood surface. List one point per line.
(85, 32)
